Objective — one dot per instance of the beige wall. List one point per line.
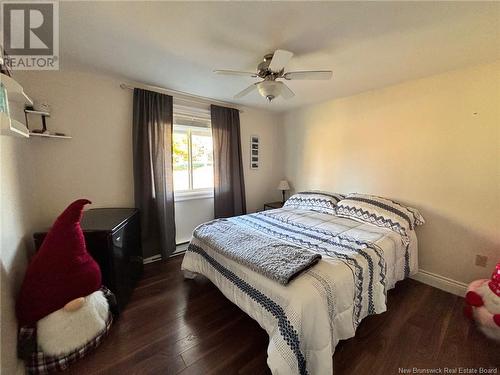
(97, 162)
(260, 184)
(433, 143)
(18, 211)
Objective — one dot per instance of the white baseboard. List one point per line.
(441, 282)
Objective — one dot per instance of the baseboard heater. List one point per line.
(180, 248)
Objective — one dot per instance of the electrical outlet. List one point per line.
(481, 260)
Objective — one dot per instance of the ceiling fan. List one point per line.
(270, 70)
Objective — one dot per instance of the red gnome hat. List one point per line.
(60, 271)
(494, 284)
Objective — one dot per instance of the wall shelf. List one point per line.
(15, 91)
(48, 135)
(9, 126)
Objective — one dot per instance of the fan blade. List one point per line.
(309, 74)
(280, 59)
(286, 92)
(246, 91)
(235, 73)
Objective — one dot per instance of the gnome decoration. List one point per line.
(483, 304)
(63, 310)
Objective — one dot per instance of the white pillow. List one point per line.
(318, 201)
(382, 212)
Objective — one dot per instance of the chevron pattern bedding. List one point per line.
(306, 318)
(318, 201)
(380, 211)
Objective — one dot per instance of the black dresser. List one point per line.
(113, 238)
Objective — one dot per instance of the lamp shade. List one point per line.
(283, 185)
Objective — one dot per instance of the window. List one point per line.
(192, 157)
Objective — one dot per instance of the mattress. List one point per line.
(306, 318)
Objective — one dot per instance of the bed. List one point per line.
(325, 303)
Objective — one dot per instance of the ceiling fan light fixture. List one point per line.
(269, 89)
(271, 69)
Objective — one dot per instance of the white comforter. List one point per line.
(306, 318)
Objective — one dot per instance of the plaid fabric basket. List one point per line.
(37, 362)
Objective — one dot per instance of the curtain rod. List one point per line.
(179, 95)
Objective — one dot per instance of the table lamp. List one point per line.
(283, 186)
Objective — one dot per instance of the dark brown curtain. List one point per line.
(229, 186)
(153, 176)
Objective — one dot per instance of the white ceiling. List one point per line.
(367, 44)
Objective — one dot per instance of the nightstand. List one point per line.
(272, 205)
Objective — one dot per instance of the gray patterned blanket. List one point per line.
(273, 258)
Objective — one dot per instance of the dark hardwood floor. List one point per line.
(177, 326)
